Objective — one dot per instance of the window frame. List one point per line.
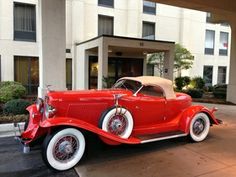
(210, 51)
(225, 74)
(212, 67)
(69, 86)
(106, 16)
(105, 5)
(29, 85)
(34, 38)
(150, 23)
(149, 12)
(224, 52)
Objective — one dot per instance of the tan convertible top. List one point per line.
(165, 84)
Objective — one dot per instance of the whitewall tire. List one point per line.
(199, 127)
(117, 121)
(63, 149)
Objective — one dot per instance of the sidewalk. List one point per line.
(8, 130)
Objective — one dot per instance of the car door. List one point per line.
(150, 106)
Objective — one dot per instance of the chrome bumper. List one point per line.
(18, 129)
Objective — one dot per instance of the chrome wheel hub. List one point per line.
(198, 126)
(65, 148)
(117, 124)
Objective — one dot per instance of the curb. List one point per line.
(9, 129)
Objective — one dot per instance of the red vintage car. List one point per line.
(135, 110)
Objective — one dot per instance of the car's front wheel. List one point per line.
(63, 149)
(199, 127)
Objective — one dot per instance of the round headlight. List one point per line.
(49, 111)
(39, 104)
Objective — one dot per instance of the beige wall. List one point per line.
(172, 23)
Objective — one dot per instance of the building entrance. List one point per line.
(117, 68)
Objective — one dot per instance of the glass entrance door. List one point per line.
(117, 68)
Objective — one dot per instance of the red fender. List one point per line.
(68, 121)
(190, 112)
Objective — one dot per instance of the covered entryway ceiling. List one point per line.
(214, 6)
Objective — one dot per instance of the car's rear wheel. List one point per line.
(117, 121)
(63, 149)
(199, 127)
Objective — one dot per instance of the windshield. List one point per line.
(128, 85)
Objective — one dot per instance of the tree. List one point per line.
(157, 59)
(183, 59)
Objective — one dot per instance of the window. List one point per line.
(106, 3)
(222, 74)
(105, 25)
(26, 71)
(223, 43)
(208, 17)
(210, 42)
(148, 30)
(152, 91)
(69, 74)
(149, 7)
(207, 75)
(24, 22)
(150, 70)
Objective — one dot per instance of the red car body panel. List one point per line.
(83, 109)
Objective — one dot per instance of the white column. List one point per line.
(81, 72)
(231, 96)
(169, 64)
(145, 65)
(52, 40)
(102, 63)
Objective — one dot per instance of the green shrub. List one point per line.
(181, 82)
(11, 90)
(197, 83)
(194, 93)
(16, 107)
(208, 88)
(220, 91)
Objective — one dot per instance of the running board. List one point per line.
(164, 138)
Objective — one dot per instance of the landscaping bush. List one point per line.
(11, 90)
(181, 82)
(208, 88)
(219, 91)
(194, 93)
(197, 83)
(16, 107)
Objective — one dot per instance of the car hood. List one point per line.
(85, 94)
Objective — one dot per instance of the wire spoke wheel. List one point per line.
(66, 148)
(199, 127)
(117, 121)
(117, 124)
(63, 149)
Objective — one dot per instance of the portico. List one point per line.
(106, 47)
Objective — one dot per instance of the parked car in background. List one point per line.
(135, 110)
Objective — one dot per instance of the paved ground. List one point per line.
(214, 157)
(13, 163)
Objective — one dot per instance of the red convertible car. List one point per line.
(135, 110)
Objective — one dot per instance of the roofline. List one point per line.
(122, 37)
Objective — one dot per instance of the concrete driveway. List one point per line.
(214, 157)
